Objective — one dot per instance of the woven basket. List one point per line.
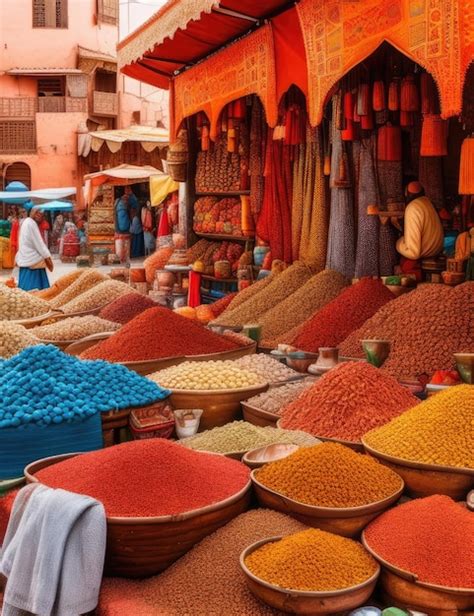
(177, 170)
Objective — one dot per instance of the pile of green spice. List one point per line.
(243, 436)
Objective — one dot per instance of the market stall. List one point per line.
(337, 388)
(106, 228)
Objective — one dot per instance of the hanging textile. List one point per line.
(431, 178)
(258, 139)
(338, 35)
(297, 211)
(340, 248)
(367, 250)
(274, 223)
(314, 235)
(245, 67)
(390, 176)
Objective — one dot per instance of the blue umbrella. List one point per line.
(14, 187)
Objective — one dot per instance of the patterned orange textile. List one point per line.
(338, 34)
(245, 67)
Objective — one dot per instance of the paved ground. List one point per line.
(63, 268)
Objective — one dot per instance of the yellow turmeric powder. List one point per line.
(312, 560)
(440, 430)
(330, 475)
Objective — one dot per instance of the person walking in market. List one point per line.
(33, 256)
(136, 230)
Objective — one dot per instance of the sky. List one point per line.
(134, 12)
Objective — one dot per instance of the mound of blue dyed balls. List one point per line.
(43, 386)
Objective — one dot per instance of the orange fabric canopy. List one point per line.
(312, 46)
(183, 32)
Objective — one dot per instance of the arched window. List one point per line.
(18, 172)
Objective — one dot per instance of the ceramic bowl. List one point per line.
(256, 458)
(345, 521)
(140, 547)
(305, 602)
(404, 589)
(465, 366)
(219, 406)
(376, 351)
(427, 479)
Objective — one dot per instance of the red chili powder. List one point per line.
(347, 402)
(158, 332)
(332, 324)
(125, 308)
(6, 506)
(147, 478)
(431, 537)
(221, 304)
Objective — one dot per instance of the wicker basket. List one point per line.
(177, 170)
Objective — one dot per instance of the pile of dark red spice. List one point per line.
(332, 324)
(126, 308)
(221, 304)
(156, 333)
(147, 478)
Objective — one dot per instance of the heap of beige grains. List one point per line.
(14, 338)
(75, 328)
(17, 305)
(276, 398)
(268, 368)
(276, 291)
(318, 291)
(80, 285)
(425, 327)
(216, 586)
(97, 296)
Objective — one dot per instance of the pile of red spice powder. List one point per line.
(6, 506)
(347, 402)
(126, 308)
(221, 304)
(332, 324)
(147, 478)
(156, 333)
(431, 537)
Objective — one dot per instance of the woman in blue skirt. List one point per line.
(33, 256)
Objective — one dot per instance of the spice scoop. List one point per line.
(187, 421)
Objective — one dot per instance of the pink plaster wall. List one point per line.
(55, 162)
(25, 46)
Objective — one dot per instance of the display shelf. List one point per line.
(237, 193)
(224, 237)
(214, 279)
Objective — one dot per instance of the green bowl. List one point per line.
(465, 365)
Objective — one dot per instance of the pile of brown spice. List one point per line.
(216, 585)
(425, 327)
(276, 291)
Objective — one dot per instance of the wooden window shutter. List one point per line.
(107, 11)
(49, 13)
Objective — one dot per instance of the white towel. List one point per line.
(53, 553)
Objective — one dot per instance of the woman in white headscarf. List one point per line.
(33, 256)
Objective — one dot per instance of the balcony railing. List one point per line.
(18, 107)
(61, 104)
(105, 103)
(28, 106)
